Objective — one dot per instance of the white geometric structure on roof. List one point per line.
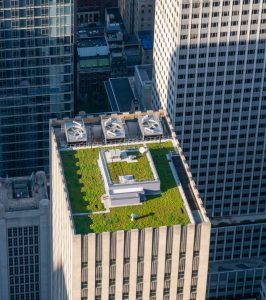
(128, 191)
(75, 131)
(143, 150)
(113, 128)
(150, 125)
(116, 155)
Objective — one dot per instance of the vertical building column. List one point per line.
(175, 261)
(105, 264)
(203, 260)
(161, 261)
(189, 261)
(119, 265)
(91, 265)
(76, 267)
(4, 282)
(44, 254)
(133, 263)
(147, 263)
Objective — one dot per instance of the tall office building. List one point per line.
(25, 238)
(209, 74)
(138, 15)
(36, 79)
(93, 11)
(127, 220)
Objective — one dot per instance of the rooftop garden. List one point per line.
(85, 189)
(140, 168)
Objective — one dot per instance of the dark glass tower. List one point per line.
(36, 79)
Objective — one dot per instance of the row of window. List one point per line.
(223, 44)
(221, 24)
(224, 13)
(221, 92)
(218, 3)
(222, 53)
(222, 34)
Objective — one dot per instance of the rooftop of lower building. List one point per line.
(144, 72)
(151, 158)
(90, 31)
(146, 39)
(120, 94)
(22, 193)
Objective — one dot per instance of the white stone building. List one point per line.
(25, 238)
(209, 74)
(121, 260)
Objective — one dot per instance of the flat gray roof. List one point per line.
(120, 94)
(145, 72)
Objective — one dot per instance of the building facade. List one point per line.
(209, 74)
(93, 11)
(237, 260)
(36, 79)
(143, 84)
(93, 68)
(137, 15)
(263, 291)
(168, 262)
(25, 271)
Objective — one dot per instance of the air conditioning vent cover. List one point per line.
(150, 125)
(113, 128)
(75, 131)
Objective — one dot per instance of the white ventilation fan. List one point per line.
(75, 132)
(113, 128)
(151, 125)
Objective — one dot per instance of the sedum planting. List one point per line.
(85, 188)
(140, 169)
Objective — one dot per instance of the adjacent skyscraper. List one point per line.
(138, 15)
(36, 79)
(25, 238)
(209, 74)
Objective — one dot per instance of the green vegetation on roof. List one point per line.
(85, 189)
(93, 62)
(83, 178)
(140, 169)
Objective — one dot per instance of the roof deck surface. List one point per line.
(85, 188)
(178, 203)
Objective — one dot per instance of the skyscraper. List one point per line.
(36, 79)
(25, 270)
(137, 15)
(93, 11)
(209, 74)
(127, 221)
